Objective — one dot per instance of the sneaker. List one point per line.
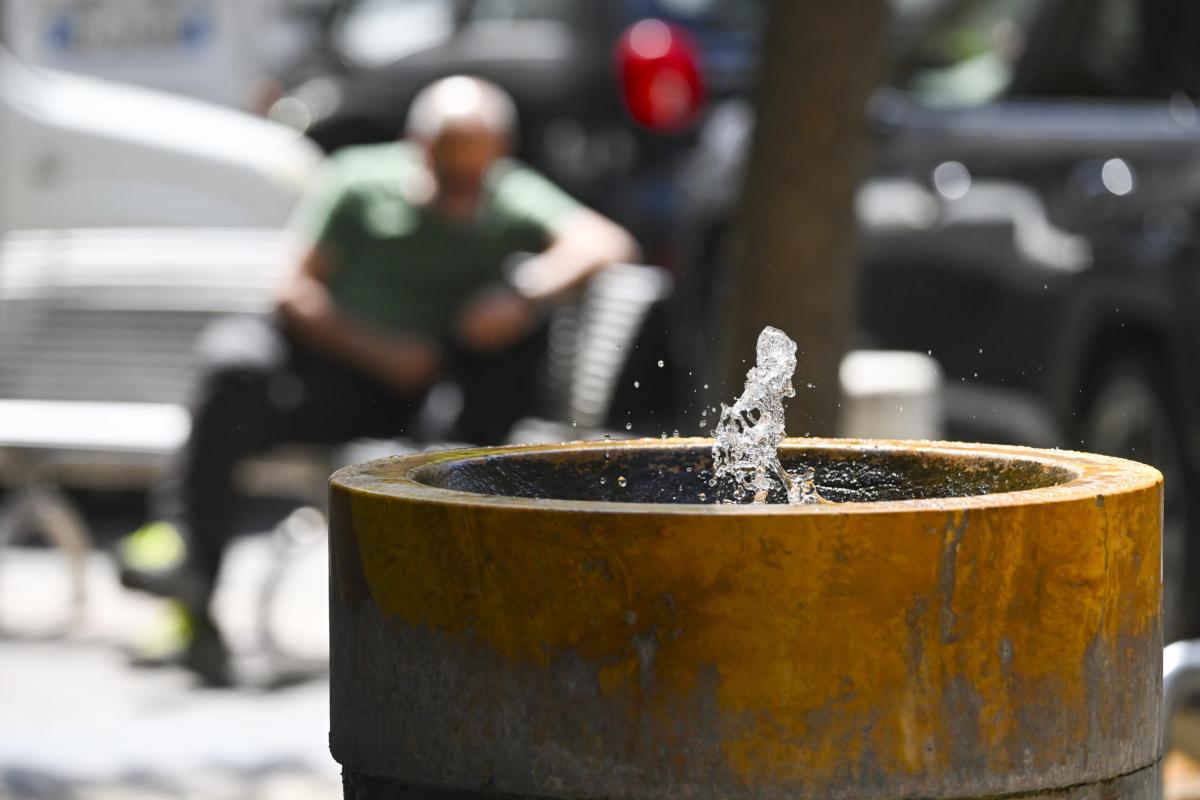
(155, 547)
(163, 642)
(153, 559)
(207, 656)
(187, 640)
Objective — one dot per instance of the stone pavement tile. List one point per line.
(281, 785)
(77, 715)
(35, 596)
(77, 722)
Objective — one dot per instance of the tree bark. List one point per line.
(793, 251)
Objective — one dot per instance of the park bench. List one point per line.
(96, 335)
(97, 329)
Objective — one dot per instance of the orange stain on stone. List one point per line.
(899, 635)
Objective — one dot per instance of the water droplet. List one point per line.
(628, 426)
(574, 424)
(706, 386)
(981, 351)
(703, 497)
(621, 481)
(660, 363)
(602, 480)
(637, 384)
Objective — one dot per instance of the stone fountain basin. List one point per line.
(959, 621)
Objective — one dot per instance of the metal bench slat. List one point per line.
(149, 428)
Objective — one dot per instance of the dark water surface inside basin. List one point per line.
(682, 474)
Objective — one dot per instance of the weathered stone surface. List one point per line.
(991, 644)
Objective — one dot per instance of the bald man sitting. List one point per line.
(402, 280)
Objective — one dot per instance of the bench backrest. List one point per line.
(113, 315)
(591, 340)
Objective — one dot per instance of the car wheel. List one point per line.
(1128, 414)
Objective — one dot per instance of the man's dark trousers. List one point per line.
(259, 388)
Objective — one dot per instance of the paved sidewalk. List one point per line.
(78, 722)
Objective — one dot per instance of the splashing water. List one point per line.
(750, 431)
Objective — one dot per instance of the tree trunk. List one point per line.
(794, 262)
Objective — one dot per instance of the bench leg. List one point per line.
(290, 537)
(44, 508)
(12, 519)
(56, 517)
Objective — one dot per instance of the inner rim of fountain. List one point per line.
(680, 473)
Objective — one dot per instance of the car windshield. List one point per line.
(377, 32)
(970, 54)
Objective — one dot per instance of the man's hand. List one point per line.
(408, 363)
(494, 318)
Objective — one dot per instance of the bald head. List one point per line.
(461, 104)
(463, 125)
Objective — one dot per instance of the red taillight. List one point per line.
(658, 67)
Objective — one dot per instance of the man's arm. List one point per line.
(581, 245)
(406, 362)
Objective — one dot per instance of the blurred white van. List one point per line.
(207, 49)
(82, 153)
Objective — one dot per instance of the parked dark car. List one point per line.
(1030, 220)
(608, 93)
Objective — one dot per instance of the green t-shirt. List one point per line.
(401, 266)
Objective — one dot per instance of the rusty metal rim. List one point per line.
(1095, 475)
